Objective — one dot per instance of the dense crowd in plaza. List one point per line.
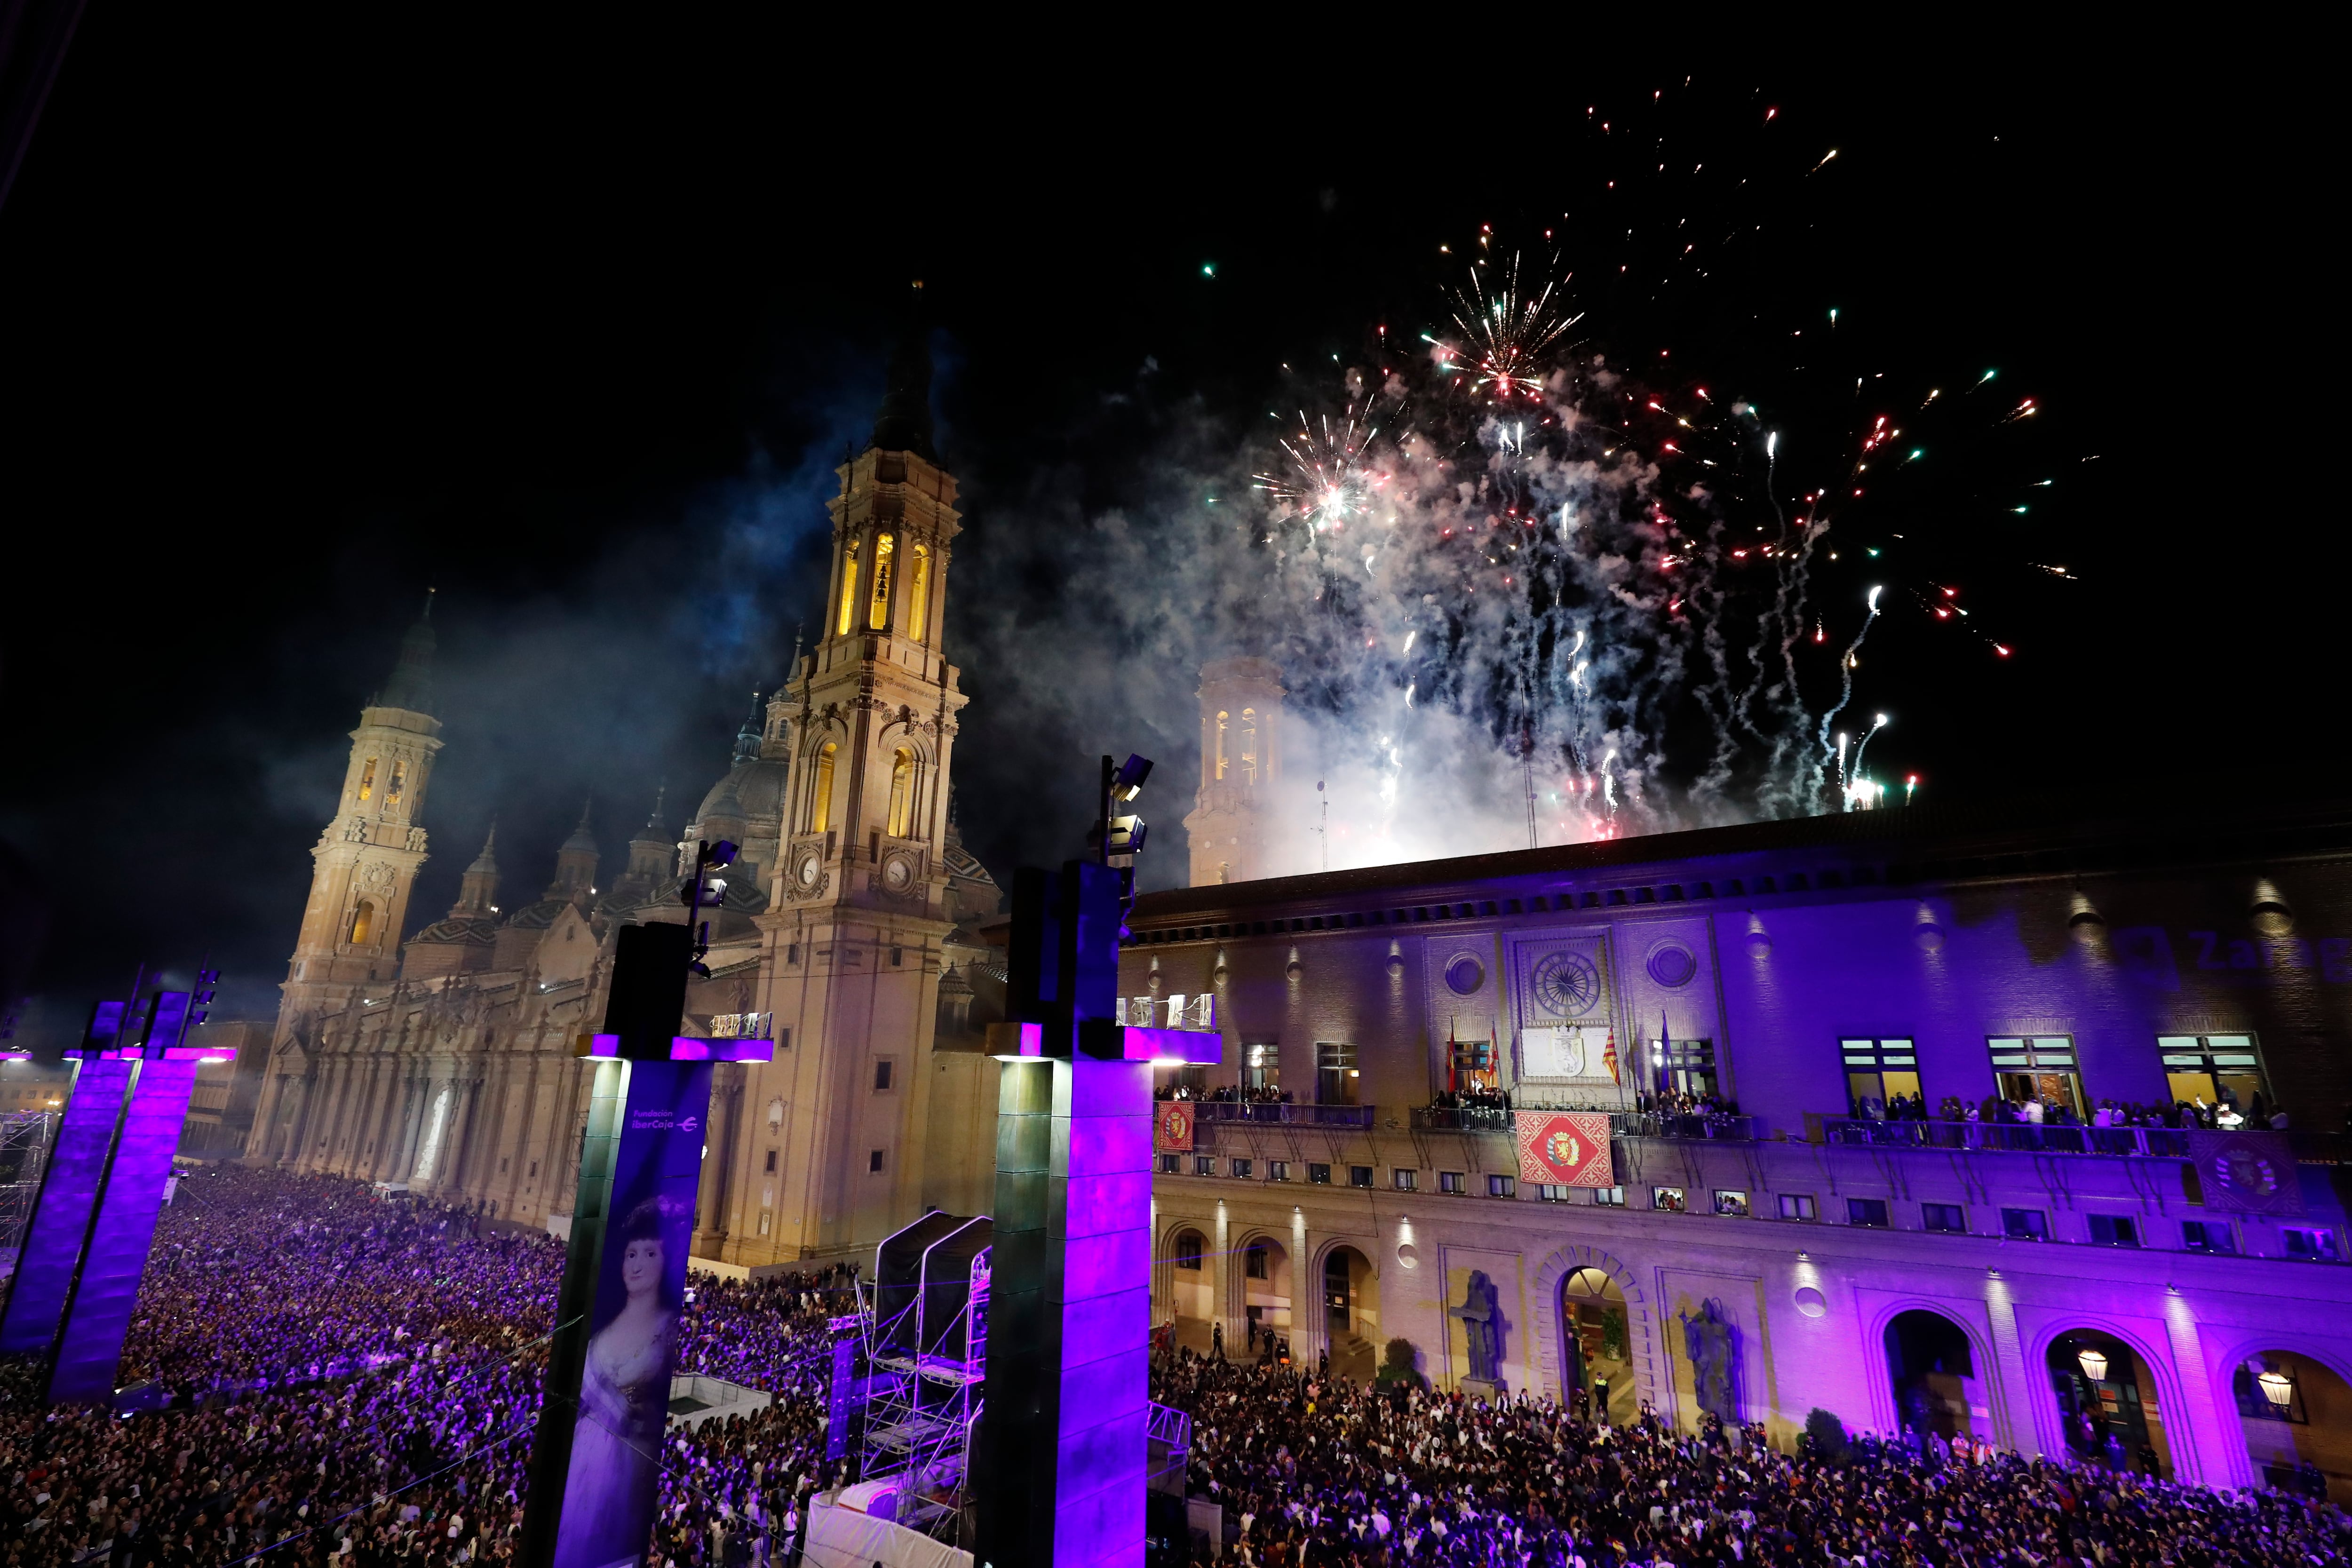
(354, 1383)
(1316, 1471)
(354, 1379)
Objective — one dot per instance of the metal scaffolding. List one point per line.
(927, 1359)
(25, 1140)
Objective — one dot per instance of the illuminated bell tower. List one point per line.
(365, 862)
(1241, 763)
(857, 911)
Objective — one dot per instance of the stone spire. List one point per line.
(746, 739)
(575, 862)
(478, 890)
(410, 687)
(652, 851)
(904, 422)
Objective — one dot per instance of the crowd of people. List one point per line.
(2224, 1114)
(1224, 1094)
(351, 1383)
(339, 1381)
(1308, 1471)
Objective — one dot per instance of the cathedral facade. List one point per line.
(450, 1064)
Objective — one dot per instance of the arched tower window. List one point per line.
(902, 791)
(1249, 745)
(362, 923)
(399, 783)
(918, 593)
(848, 590)
(821, 804)
(877, 613)
(1221, 743)
(367, 780)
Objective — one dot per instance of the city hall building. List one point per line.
(2053, 1286)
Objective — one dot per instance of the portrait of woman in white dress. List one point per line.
(609, 1499)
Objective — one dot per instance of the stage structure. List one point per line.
(927, 1355)
(596, 1458)
(94, 1222)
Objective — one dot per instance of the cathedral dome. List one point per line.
(754, 788)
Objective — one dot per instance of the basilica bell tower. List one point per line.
(858, 911)
(366, 860)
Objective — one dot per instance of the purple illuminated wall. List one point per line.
(1070, 1315)
(44, 1272)
(89, 1352)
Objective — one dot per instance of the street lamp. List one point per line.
(2095, 1364)
(2277, 1387)
(702, 891)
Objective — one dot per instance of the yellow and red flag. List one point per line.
(1565, 1148)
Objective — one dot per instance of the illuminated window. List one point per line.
(1220, 745)
(918, 593)
(2205, 1069)
(821, 803)
(878, 612)
(367, 780)
(902, 791)
(363, 922)
(399, 783)
(848, 590)
(1249, 745)
(1877, 1072)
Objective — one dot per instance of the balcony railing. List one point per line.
(2021, 1138)
(1283, 1114)
(1621, 1123)
(2024, 1138)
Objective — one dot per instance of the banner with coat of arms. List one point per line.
(1565, 1148)
(1171, 1127)
(2247, 1173)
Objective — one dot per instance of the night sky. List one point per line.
(294, 325)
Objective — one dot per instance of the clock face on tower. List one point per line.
(897, 875)
(812, 867)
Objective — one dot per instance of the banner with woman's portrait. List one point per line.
(609, 1491)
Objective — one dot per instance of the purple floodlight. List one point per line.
(691, 1049)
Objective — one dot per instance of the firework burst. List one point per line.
(1326, 481)
(1510, 335)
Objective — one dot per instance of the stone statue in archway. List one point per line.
(1482, 1321)
(1712, 1342)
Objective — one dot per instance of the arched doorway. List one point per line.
(1191, 1296)
(2297, 1416)
(1932, 1369)
(1265, 1296)
(1598, 1335)
(1351, 1312)
(2107, 1403)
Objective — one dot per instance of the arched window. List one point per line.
(1221, 743)
(821, 804)
(367, 780)
(399, 783)
(1249, 745)
(902, 791)
(362, 923)
(1188, 1247)
(878, 613)
(848, 590)
(919, 595)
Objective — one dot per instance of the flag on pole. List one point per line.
(1609, 1054)
(1665, 1056)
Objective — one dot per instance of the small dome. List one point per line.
(754, 789)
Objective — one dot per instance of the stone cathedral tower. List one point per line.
(837, 1124)
(366, 860)
(1241, 765)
